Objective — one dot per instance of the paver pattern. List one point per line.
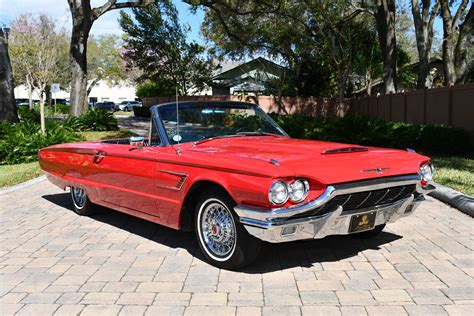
(53, 261)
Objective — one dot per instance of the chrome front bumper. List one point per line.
(277, 225)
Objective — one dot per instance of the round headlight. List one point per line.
(278, 192)
(426, 172)
(299, 190)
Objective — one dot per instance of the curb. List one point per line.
(462, 202)
(22, 185)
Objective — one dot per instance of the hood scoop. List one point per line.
(342, 150)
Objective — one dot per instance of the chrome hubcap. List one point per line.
(218, 229)
(79, 196)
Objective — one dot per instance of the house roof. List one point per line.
(258, 63)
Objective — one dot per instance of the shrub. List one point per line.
(20, 142)
(92, 120)
(61, 108)
(27, 114)
(362, 130)
(150, 88)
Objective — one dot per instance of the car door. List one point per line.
(127, 175)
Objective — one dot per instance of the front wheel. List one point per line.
(125, 109)
(82, 204)
(221, 237)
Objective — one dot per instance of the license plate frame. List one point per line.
(362, 222)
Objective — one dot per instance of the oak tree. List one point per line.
(83, 17)
(8, 111)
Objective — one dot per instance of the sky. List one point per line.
(106, 24)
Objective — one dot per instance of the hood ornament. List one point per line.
(377, 170)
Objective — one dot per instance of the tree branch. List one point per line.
(460, 10)
(113, 5)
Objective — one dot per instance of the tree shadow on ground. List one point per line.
(273, 257)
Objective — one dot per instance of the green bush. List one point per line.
(150, 88)
(61, 108)
(27, 114)
(92, 120)
(20, 142)
(356, 129)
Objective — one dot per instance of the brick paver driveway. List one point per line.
(53, 261)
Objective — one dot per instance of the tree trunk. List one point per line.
(83, 16)
(464, 42)
(42, 114)
(78, 56)
(91, 86)
(47, 93)
(8, 111)
(455, 46)
(423, 22)
(30, 92)
(385, 19)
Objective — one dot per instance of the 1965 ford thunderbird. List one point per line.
(227, 171)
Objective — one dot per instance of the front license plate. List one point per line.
(361, 222)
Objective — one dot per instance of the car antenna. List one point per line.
(177, 137)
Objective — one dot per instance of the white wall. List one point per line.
(102, 91)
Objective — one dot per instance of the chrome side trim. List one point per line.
(180, 183)
(341, 150)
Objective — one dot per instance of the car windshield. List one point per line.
(201, 121)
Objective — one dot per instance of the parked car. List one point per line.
(22, 102)
(105, 105)
(228, 172)
(59, 101)
(127, 105)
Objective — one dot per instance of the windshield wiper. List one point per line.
(215, 137)
(239, 134)
(258, 134)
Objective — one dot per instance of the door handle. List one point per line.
(98, 156)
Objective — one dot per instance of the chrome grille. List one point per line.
(363, 199)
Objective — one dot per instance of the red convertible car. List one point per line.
(228, 172)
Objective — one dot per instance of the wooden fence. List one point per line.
(311, 106)
(448, 106)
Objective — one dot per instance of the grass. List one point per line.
(14, 174)
(91, 136)
(130, 113)
(455, 172)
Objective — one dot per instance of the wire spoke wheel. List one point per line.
(79, 197)
(218, 229)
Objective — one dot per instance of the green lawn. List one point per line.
(130, 113)
(106, 135)
(455, 172)
(14, 174)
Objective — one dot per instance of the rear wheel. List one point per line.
(221, 237)
(370, 233)
(82, 205)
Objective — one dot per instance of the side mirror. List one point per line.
(137, 141)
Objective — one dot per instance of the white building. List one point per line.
(102, 91)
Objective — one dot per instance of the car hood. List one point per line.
(306, 158)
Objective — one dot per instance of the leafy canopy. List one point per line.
(155, 42)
